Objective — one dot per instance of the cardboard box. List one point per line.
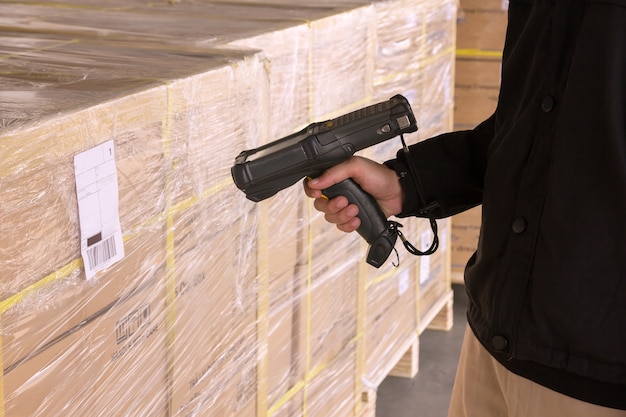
(290, 405)
(307, 77)
(216, 114)
(63, 306)
(399, 29)
(415, 57)
(214, 352)
(331, 303)
(127, 101)
(327, 284)
(278, 293)
(477, 88)
(480, 38)
(190, 107)
(113, 364)
(482, 25)
(391, 320)
(433, 273)
(464, 240)
(331, 392)
(341, 62)
(39, 195)
(281, 351)
(439, 27)
(437, 103)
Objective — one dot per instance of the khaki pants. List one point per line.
(484, 388)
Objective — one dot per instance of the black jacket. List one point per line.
(547, 284)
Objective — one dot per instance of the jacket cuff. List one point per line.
(412, 201)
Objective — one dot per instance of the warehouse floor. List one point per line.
(428, 394)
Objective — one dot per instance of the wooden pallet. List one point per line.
(440, 316)
(404, 364)
(368, 404)
(408, 364)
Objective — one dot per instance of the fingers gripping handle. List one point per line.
(374, 226)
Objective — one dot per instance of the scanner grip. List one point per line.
(374, 226)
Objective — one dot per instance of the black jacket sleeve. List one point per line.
(449, 171)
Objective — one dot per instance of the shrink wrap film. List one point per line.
(56, 107)
(219, 307)
(415, 49)
(54, 322)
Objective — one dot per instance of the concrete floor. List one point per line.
(428, 394)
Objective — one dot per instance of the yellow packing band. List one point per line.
(66, 270)
(478, 53)
(361, 315)
(309, 281)
(61, 273)
(389, 274)
(285, 398)
(263, 306)
(310, 74)
(170, 301)
(418, 316)
(15, 299)
(170, 258)
(1, 378)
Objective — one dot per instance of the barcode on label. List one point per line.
(101, 252)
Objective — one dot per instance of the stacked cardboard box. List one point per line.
(220, 306)
(72, 346)
(414, 54)
(480, 38)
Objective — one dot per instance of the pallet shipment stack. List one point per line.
(127, 115)
(480, 38)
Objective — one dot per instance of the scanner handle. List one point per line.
(374, 226)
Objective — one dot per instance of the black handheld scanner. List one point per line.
(262, 172)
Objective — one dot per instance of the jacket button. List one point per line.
(499, 343)
(519, 225)
(547, 104)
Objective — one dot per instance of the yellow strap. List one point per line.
(170, 259)
(360, 340)
(263, 306)
(478, 53)
(309, 286)
(1, 378)
(61, 273)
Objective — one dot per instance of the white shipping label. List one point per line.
(443, 238)
(425, 240)
(101, 241)
(404, 282)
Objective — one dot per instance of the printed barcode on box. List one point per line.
(101, 252)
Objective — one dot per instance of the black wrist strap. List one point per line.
(425, 210)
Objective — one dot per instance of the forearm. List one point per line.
(450, 170)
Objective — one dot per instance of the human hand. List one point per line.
(376, 179)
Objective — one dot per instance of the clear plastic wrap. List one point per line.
(220, 306)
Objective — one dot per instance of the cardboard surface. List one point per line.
(114, 364)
